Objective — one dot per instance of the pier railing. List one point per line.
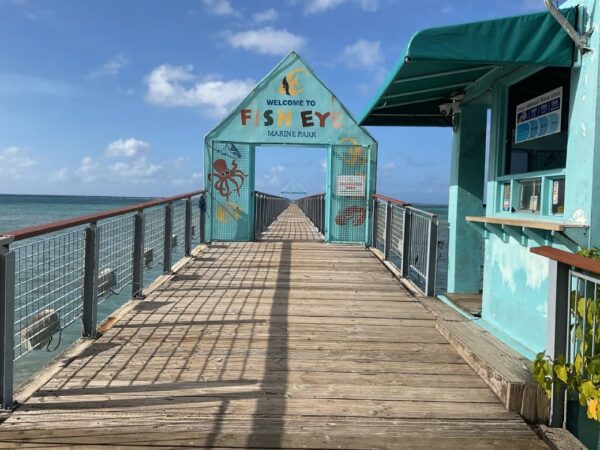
(314, 208)
(267, 208)
(573, 317)
(54, 274)
(408, 239)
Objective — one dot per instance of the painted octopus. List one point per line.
(226, 175)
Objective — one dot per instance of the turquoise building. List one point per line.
(520, 95)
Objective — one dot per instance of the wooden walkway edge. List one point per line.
(284, 343)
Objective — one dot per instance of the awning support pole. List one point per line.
(581, 41)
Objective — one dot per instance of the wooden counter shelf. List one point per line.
(546, 225)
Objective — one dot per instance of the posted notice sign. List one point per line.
(351, 185)
(540, 116)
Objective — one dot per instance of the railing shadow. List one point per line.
(276, 365)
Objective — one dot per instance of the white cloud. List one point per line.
(368, 5)
(532, 5)
(138, 171)
(363, 54)
(323, 166)
(195, 179)
(110, 68)
(220, 8)
(389, 166)
(60, 175)
(268, 15)
(89, 170)
(15, 162)
(279, 168)
(273, 177)
(126, 147)
(178, 86)
(319, 6)
(267, 41)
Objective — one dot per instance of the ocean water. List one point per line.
(19, 211)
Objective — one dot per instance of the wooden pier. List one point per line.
(284, 343)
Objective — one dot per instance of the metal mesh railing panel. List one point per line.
(196, 220)
(380, 223)
(397, 235)
(178, 239)
(115, 268)
(48, 288)
(154, 236)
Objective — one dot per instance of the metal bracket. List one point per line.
(566, 241)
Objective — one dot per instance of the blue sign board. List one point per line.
(539, 117)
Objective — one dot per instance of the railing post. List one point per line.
(7, 322)
(168, 243)
(406, 242)
(375, 219)
(138, 255)
(388, 230)
(90, 281)
(322, 206)
(202, 206)
(557, 332)
(188, 227)
(431, 257)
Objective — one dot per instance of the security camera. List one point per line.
(446, 109)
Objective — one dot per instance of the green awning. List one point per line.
(440, 62)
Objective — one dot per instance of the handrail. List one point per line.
(311, 196)
(568, 258)
(37, 230)
(269, 195)
(391, 200)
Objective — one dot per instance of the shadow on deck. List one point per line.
(284, 343)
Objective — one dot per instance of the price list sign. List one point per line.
(539, 117)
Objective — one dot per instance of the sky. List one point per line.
(114, 97)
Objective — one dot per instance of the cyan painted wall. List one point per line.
(466, 199)
(515, 289)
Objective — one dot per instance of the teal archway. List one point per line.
(290, 106)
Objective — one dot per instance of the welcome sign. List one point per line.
(291, 105)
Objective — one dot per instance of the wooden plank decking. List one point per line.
(285, 343)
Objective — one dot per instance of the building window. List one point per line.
(537, 131)
(537, 117)
(529, 195)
